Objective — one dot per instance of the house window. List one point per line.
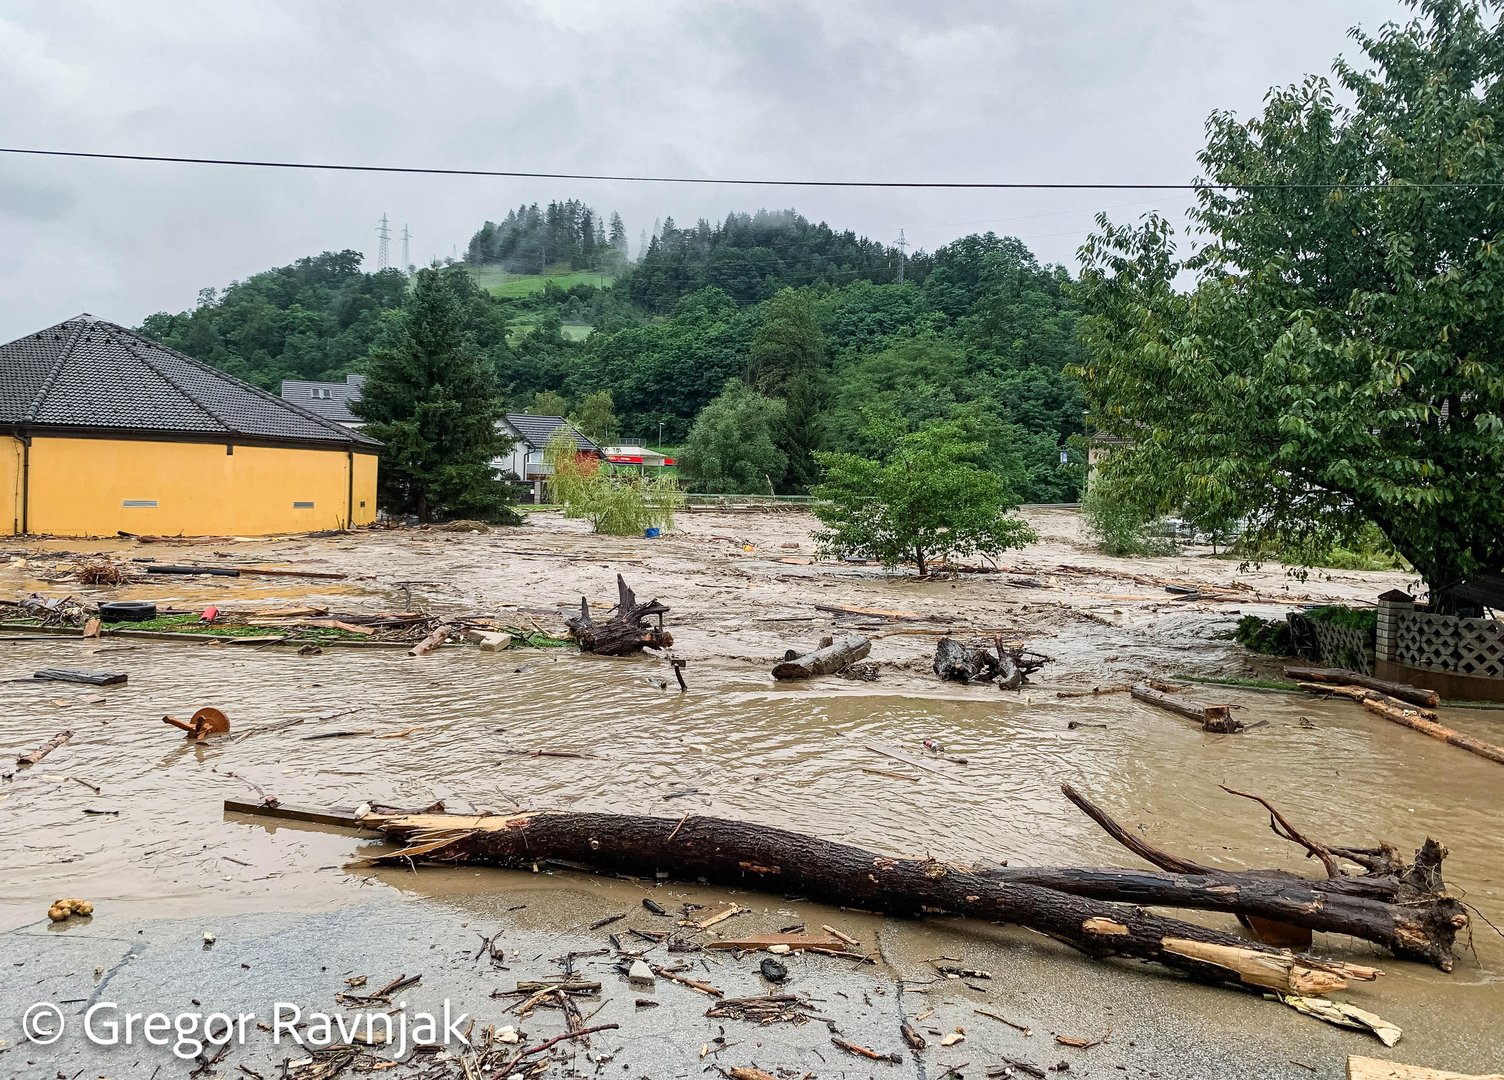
(321, 393)
(139, 504)
(302, 506)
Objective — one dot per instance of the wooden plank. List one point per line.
(343, 819)
(793, 941)
(1366, 1068)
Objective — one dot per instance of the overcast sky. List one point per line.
(998, 90)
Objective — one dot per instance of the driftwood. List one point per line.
(91, 678)
(1214, 718)
(1403, 691)
(1412, 718)
(46, 748)
(433, 641)
(825, 661)
(213, 571)
(956, 661)
(1366, 1068)
(624, 633)
(1416, 717)
(780, 861)
(1403, 907)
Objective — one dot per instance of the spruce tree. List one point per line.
(432, 399)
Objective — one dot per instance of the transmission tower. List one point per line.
(903, 253)
(406, 236)
(384, 231)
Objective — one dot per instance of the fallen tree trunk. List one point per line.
(624, 634)
(1423, 931)
(827, 661)
(1214, 718)
(1416, 717)
(1361, 694)
(780, 861)
(1413, 719)
(1411, 898)
(1403, 691)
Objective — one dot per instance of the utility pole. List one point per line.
(903, 253)
(406, 236)
(384, 231)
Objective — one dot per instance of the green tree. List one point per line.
(548, 403)
(596, 416)
(733, 445)
(431, 398)
(788, 344)
(1341, 358)
(929, 494)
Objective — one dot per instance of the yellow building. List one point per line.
(104, 431)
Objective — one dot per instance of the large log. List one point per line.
(625, 633)
(1416, 717)
(827, 661)
(780, 861)
(1423, 930)
(1413, 719)
(1388, 876)
(958, 662)
(1403, 691)
(1214, 718)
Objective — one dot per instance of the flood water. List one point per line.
(798, 756)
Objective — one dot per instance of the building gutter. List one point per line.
(350, 488)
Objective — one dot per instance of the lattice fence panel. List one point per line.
(1449, 643)
(1344, 646)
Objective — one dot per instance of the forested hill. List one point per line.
(752, 256)
(529, 240)
(810, 317)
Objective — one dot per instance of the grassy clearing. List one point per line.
(1278, 685)
(189, 624)
(499, 282)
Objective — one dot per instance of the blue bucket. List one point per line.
(651, 533)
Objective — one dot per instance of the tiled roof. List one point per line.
(537, 430)
(88, 373)
(331, 400)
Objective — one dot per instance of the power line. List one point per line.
(739, 181)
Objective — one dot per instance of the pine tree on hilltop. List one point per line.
(432, 399)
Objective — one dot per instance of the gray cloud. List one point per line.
(1001, 90)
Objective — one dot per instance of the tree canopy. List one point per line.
(924, 494)
(432, 399)
(1340, 359)
(733, 446)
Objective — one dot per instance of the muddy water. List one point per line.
(739, 745)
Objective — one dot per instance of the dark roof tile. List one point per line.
(87, 373)
(537, 430)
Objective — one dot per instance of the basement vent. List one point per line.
(302, 506)
(140, 504)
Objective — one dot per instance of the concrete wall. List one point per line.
(96, 487)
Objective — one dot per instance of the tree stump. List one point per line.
(625, 633)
